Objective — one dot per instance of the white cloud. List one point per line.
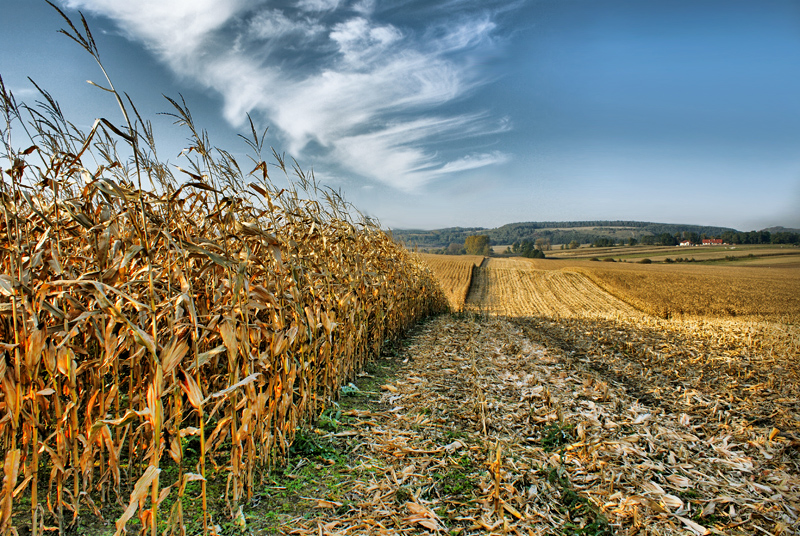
(469, 33)
(173, 29)
(365, 7)
(23, 93)
(318, 5)
(395, 154)
(369, 100)
(274, 24)
(474, 161)
(358, 40)
(337, 103)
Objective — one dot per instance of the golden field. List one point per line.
(511, 287)
(700, 364)
(724, 254)
(454, 273)
(666, 290)
(739, 310)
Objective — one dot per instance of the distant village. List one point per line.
(705, 242)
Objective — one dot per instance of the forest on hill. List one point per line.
(587, 232)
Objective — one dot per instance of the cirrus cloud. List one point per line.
(363, 93)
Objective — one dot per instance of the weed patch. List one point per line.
(583, 519)
(555, 436)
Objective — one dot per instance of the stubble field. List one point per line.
(513, 287)
(755, 293)
(683, 413)
(736, 255)
(454, 274)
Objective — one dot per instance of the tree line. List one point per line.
(596, 233)
(481, 245)
(761, 237)
(582, 232)
(728, 237)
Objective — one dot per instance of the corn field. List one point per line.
(221, 312)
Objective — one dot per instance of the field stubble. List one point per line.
(725, 370)
(531, 425)
(513, 287)
(454, 274)
(726, 292)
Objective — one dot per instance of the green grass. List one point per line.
(555, 436)
(585, 518)
(457, 482)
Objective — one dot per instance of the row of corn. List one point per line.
(187, 325)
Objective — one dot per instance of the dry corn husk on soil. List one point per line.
(510, 426)
(606, 419)
(210, 311)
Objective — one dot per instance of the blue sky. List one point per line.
(462, 112)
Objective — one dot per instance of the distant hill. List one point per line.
(557, 232)
(779, 229)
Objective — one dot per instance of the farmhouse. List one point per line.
(686, 243)
(712, 241)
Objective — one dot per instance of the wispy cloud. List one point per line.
(475, 161)
(365, 93)
(273, 24)
(361, 42)
(23, 93)
(172, 29)
(318, 5)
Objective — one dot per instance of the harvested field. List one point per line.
(698, 253)
(678, 290)
(512, 287)
(679, 426)
(777, 261)
(700, 291)
(533, 426)
(454, 274)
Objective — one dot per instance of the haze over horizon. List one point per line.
(462, 113)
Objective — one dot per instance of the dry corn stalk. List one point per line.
(136, 320)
